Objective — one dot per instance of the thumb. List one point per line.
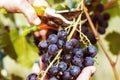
(86, 73)
(30, 13)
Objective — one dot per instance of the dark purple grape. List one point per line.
(43, 45)
(50, 31)
(75, 42)
(101, 30)
(45, 58)
(84, 29)
(62, 35)
(104, 24)
(75, 49)
(93, 18)
(67, 75)
(32, 76)
(53, 71)
(92, 51)
(60, 43)
(67, 58)
(100, 7)
(62, 66)
(89, 61)
(91, 37)
(53, 78)
(106, 16)
(77, 61)
(52, 49)
(52, 39)
(99, 18)
(78, 53)
(75, 70)
(86, 24)
(68, 46)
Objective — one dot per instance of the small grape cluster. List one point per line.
(99, 19)
(72, 59)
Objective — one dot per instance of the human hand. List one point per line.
(86, 73)
(25, 7)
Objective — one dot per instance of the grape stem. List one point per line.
(101, 44)
(74, 27)
(117, 58)
(57, 56)
(109, 3)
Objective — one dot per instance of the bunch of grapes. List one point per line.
(70, 62)
(65, 59)
(99, 19)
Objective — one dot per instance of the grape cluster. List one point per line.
(72, 59)
(99, 19)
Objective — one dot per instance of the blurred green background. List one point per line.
(20, 51)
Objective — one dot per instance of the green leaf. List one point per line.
(51, 2)
(27, 52)
(6, 44)
(61, 7)
(31, 29)
(114, 42)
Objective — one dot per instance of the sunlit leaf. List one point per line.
(62, 7)
(27, 52)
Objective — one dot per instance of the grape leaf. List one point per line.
(61, 7)
(114, 42)
(27, 52)
(6, 44)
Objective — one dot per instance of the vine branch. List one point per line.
(101, 43)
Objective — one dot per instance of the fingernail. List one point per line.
(37, 21)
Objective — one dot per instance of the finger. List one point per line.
(86, 73)
(30, 13)
(42, 68)
(39, 68)
(43, 33)
(36, 68)
(37, 34)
